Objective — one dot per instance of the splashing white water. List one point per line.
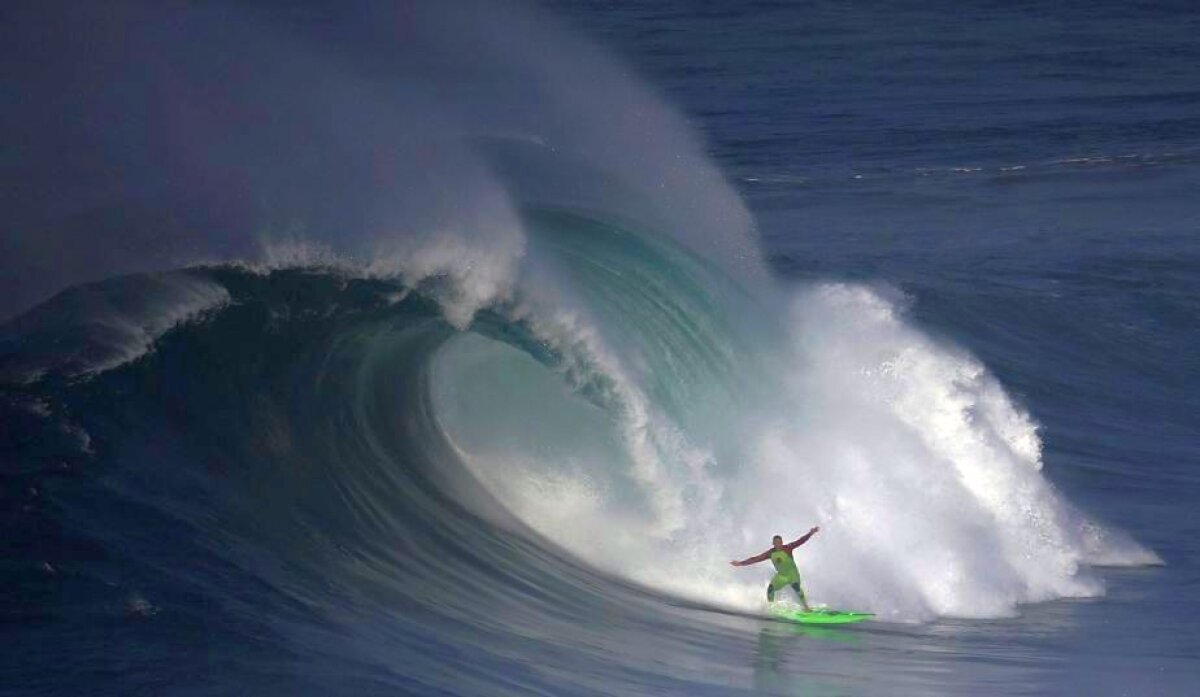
(924, 476)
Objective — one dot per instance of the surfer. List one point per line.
(786, 573)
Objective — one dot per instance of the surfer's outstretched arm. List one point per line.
(752, 560)
(802, 540)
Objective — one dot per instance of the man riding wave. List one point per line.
(786, 573)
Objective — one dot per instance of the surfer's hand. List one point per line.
(815, 530)
(734, 563)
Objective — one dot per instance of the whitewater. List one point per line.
(372, 351)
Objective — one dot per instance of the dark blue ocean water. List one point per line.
(303, 468)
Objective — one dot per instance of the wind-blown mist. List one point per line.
(152, 136)
(625, 380)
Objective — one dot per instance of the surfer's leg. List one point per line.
(800, 595)
(777, 581)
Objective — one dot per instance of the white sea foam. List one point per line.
(923, 474)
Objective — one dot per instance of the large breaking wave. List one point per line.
(512, 341)
(628, 403)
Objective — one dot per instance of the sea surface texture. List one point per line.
(369, 348)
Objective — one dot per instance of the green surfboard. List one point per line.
(820, 615)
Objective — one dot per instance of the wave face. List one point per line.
(313, 449)
(407, 441)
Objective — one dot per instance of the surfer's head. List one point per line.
(777, 541)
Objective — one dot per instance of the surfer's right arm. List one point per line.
(752, 560)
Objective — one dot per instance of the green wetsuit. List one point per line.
(786, 572)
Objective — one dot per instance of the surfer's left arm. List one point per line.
(802, 540)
